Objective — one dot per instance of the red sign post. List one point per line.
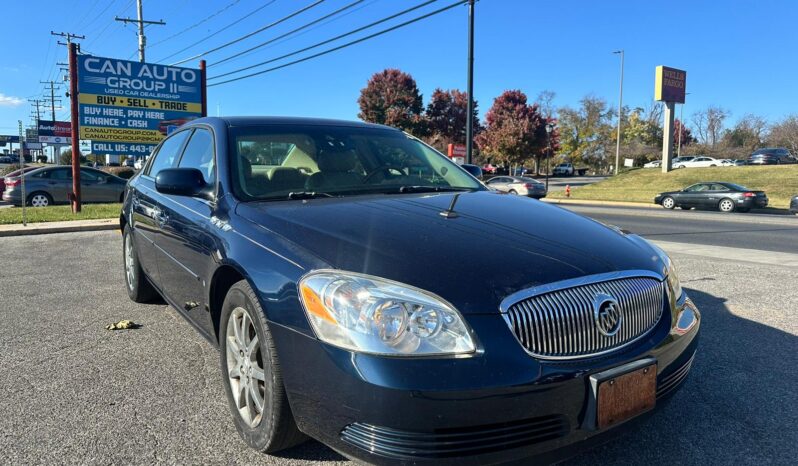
(73, 97)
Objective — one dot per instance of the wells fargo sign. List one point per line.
(670, 84)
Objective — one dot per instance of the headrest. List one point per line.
(285, 175)
(246, 167)
(336, 160)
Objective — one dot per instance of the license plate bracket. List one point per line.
(621, 393)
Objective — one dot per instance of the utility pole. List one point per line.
(620, 114)
(141, 22)
(52, 101)
(681, 128)
(470, 85)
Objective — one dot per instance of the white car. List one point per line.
(139, 163)
(654, 164)
(698, 162)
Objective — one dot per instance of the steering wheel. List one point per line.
(383, 169)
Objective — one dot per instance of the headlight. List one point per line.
(673, 279)
(373, 315)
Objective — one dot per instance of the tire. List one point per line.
(513, 192)
(713, 165)
(40, 199)
(668, 203)
(137, 284)
(273, 428)
(726, 205)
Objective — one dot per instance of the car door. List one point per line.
(694, 196)
(58, 184)
(188, 236)
(90, 189)
(499, 184)
(145, 205)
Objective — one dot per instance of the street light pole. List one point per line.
(470, 85)
(620, 111)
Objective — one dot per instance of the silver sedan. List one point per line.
(521, 185)
(50, 185)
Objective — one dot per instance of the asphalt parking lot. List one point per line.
(74, 392)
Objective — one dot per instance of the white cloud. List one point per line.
(10, 101)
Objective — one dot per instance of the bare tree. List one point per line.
(785, 134)
(749, 132)
(709, 124)
(545, 103)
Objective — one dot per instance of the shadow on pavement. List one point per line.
(738, 405)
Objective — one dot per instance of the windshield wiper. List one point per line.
(307, 195)
(430, 189)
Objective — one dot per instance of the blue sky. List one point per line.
(740, 55)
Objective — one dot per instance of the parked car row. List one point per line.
(766, 156)
(50, 185)
(719, 195)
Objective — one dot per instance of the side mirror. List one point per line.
(183, 182)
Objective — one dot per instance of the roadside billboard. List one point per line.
(670, 84)
(6, 138)
(55, 132)
(127, 107)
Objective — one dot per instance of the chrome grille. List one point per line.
(558, 322)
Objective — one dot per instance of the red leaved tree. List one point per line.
(391, 98)
(687, 136)
(447, 118)
(515, 131)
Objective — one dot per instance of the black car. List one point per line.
(341, 269)
(725, 197)
(771, 156)
(474, 170)
(794, 205)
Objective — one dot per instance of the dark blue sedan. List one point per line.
(366, 291)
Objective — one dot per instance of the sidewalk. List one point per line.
(59, 227)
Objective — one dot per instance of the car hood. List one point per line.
(492, 244)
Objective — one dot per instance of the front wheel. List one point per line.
(668, 203)
(726, 205)
(138, 286)
(252, 376)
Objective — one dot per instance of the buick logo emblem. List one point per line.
(607, 314)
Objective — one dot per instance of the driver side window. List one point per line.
(166, 157)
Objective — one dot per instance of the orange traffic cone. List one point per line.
(567, 190)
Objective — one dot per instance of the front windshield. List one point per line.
(283, 162)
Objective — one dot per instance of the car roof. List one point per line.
(282, 120)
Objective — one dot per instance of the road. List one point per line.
(777, 233)
(74, 392)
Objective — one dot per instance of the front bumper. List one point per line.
(497, 405)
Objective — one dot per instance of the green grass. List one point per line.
(58, 213)
(641, 185)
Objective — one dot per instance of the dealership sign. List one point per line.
(127, 107)
(670, 84)
(55, 132)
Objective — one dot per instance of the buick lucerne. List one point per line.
(343, 271)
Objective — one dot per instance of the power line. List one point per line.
(141, 22)
(230, 5)
(223, 29)
(342, 46)
(340, 36)
(343, 8)
(257, 31)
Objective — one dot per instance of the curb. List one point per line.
(59, 227)
(600, 203)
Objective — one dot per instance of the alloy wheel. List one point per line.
(668, 203)
(726, 205)
(245, 367)
(39, 200)
(130, 265)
